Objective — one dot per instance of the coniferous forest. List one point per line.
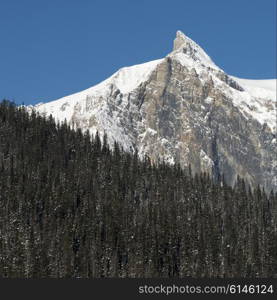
(72, 207)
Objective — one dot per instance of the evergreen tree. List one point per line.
(71, 206)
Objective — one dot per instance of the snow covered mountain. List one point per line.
(183, 108)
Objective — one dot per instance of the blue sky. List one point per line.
(49, 49)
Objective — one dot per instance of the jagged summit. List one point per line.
(185, 48)
(181, 40)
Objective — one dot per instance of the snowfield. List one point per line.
(258, 100)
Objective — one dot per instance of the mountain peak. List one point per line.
(185, 48)
(180, 40)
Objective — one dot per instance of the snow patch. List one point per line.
(264, 88)
(169, 159)
(208, 100)
(151, 131)
(129, 78)
(147, 132)
(257, 101)
(205, 159)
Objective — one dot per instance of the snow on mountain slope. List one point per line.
(263, 88)
(258, 100)
(125, 79)
(129, 78)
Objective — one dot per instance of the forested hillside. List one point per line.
(72, 207)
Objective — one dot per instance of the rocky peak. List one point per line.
(181, 40)
(185, 48)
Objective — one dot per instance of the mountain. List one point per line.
(183, 108)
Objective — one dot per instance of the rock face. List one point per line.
(183, 108)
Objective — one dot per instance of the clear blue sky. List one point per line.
(49, 49)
